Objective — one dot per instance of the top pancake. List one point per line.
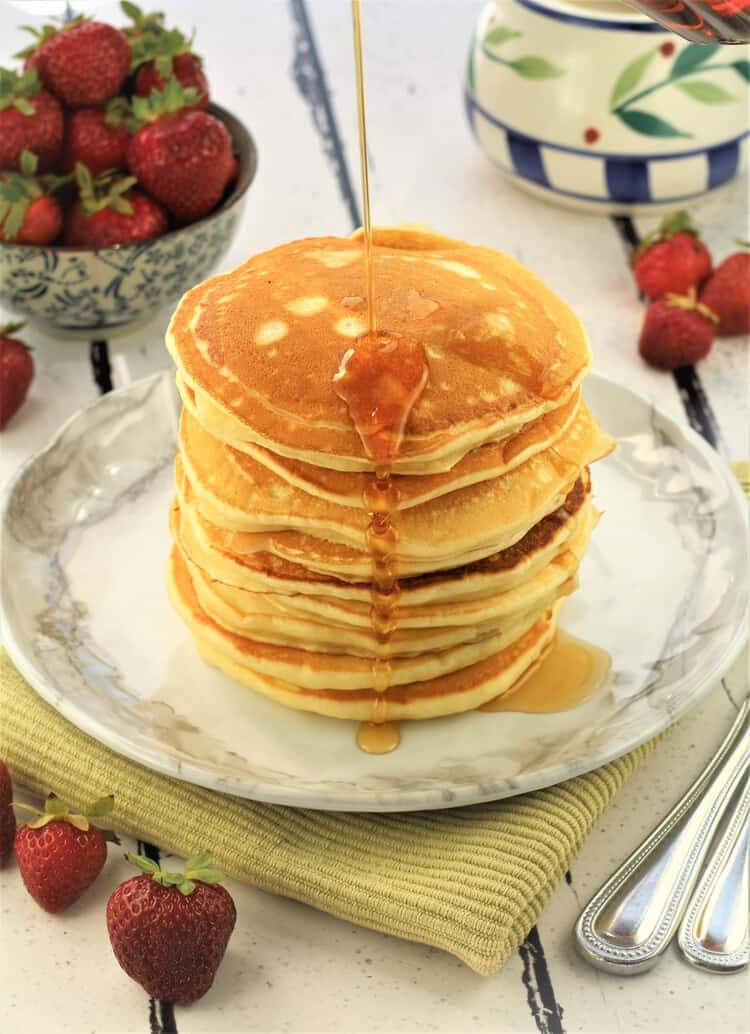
(259, 346)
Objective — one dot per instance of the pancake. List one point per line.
(259, 347)
(234, 492)
(311, 669)
(448, 694)
(435, 585)
(262, 571)
(486, 462)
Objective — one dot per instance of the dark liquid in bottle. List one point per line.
(701, 21)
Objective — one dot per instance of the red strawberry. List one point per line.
(108, 212)
(28, 212)
(672, 259)
(727, 293)
(183, 158)
(97, 138)
(84, 63)
(31, 119)
(169, 931)
(60, 854)
(7, 816)
(677, 331)
(186, 68)
(16, 372)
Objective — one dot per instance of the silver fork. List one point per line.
(629, 922)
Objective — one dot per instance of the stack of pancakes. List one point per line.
(270, 566)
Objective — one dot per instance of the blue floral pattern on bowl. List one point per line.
(87, 293)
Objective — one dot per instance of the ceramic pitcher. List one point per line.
(596, 106)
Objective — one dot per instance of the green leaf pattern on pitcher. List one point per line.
(692, 61)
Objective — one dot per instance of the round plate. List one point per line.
(664, 589)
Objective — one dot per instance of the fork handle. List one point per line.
(715, 933)
(631, 919)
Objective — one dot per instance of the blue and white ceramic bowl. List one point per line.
(85, 293)
(592, 105)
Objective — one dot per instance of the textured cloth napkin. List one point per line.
(469, 880)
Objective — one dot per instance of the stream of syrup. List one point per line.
(380, 378)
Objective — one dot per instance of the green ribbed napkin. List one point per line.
(469, 880)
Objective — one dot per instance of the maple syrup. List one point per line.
(569, 673)
(378, 738)
(380, 378)
(359, 70)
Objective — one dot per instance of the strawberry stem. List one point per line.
(198, 869)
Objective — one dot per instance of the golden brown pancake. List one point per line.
(458, 691)
(259, 346)
(263, 571)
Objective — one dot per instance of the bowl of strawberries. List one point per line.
(121, 183)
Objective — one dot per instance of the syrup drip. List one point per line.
(381, 378)
(570, 672)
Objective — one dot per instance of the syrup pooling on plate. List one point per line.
(380, 379)
(570, 672)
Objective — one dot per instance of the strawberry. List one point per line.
(16, 372)
(108, 212)
(727, 293)
(672, 259)
(185, 67)
(183, 158)
(97, 138)
(60, 854)
(28, 212)
(30, 119)
(677, 331)
(169, 931)
(84, 63)
(160, 53)
(7, 815)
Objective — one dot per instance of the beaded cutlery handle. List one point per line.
(630, 921)
(715, 933)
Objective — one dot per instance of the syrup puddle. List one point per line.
(571, 672)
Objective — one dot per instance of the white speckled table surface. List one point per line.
(285, 68)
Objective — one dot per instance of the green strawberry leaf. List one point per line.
(676, 222)
(205, 875)
(131, 11)
(531, 67)
(101, 808)
(630, 76)
(11, 220)
(199, 861)
(54, 806)
(705, 92)
(144, 864)
(186, 887)
(691, 57)
(647, 124)
(29, 162)
(172, 879)
(742, 68)
(500, 34)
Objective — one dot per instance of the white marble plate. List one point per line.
(664, 588)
